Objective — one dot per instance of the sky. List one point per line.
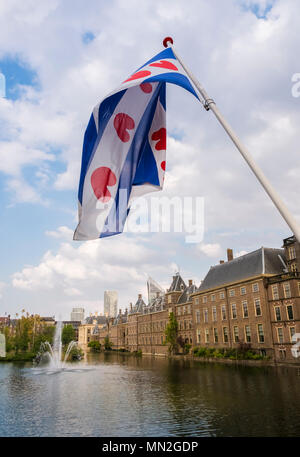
(59, 59)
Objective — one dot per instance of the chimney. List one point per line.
(157, 294)
(130, 306)
(126, 311)
(139, 296)
(221, 261)
(229, 255)
(120, 311)
(190, 282)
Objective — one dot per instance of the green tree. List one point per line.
(67, 334)
(171, 333)
(95, 346)
(107, 343)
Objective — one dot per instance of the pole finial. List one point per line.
(167, 40)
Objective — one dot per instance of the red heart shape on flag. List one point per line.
(100, 180)
(161, 137)
(163, 165)
(138, 75)
(146, 87)
(122, 123)
(164, 64)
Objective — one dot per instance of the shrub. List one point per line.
(95, 346)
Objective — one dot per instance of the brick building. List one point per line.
(253, 299)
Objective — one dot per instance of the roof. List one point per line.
(139, 306)
(178, 284)
(184, 297)
(259, 262)
(98, 319)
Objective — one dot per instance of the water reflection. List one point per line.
(120, 395)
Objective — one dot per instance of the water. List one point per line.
(53, 354)
(119, 395)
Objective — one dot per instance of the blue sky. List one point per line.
(59, 59)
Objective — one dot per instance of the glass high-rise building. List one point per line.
(110, 303)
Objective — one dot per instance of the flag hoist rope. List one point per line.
(209, 104)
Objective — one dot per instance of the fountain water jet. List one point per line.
(54, 353)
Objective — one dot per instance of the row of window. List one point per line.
(232, 293)
(185, 325)
(147, 328)
(181, 310)
(234, 311)
(280, 337)
(236, 336)
(151, 340)
(289, 312)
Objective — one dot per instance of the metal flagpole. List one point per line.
(209, 104)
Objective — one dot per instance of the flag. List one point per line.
(124, 148)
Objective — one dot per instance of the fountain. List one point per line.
(54, 353)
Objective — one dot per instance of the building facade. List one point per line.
(252, 301)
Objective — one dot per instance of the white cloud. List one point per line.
(211, 250)
(61, 232)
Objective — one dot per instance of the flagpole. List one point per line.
(209, 104)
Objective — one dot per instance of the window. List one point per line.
(214, 313)
(223, 312)
(198, 316)
(222, 295)
(294, 267)
(205, 313)
(179, 311)
(198, 335)
(280, 334)
(225, 334)
(255, 287)
(162, 339)
(292, 332)
(243, 290)
(184, 310)
(236, 334)
(189, 309)
(261, 336)
(184, 324)
(196, 301)
(204, 300)
(287, 290)
(248, 333)
(233, 311)
(213, 297)
(298, 288)
(277, 313)
(275, 293)
(292, 252)
(216, 338)
(290, 312)
(245, 308)
(231, 293)
(206, 335)
(282, 353)
(257, 307)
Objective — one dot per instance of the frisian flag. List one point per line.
(124, 148)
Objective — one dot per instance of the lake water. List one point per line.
(119, 395)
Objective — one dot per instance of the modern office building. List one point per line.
(110, 303)
(77, 314)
